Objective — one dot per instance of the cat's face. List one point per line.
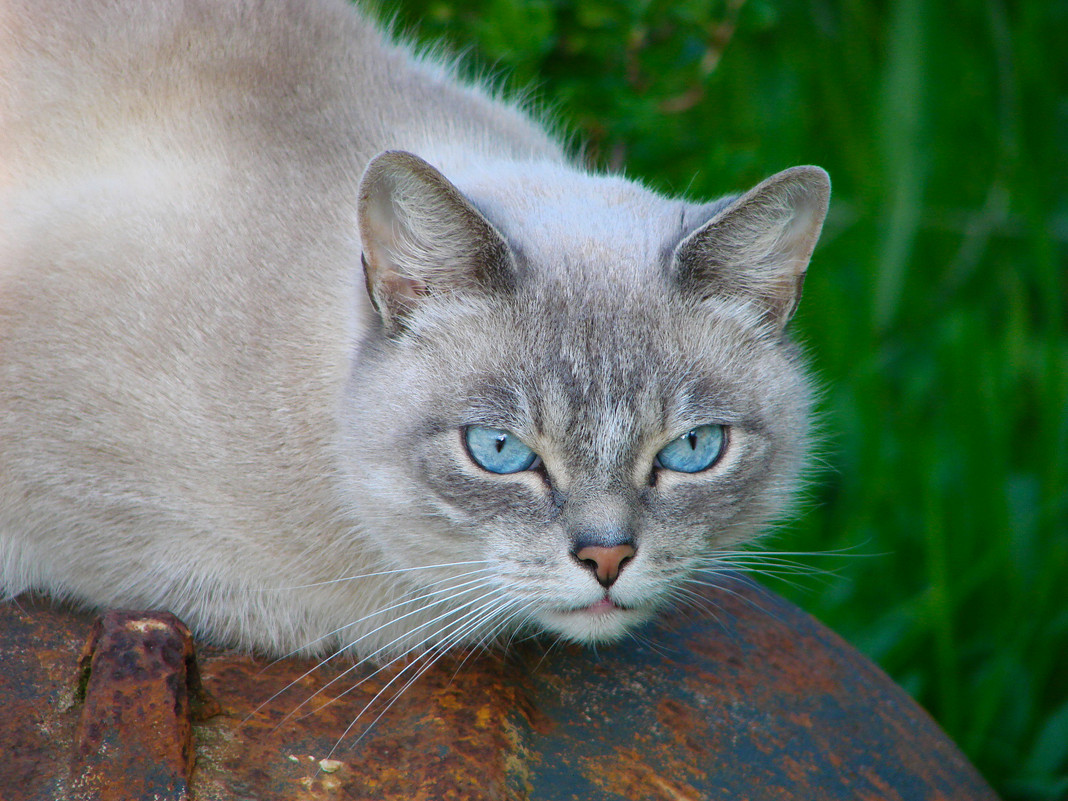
(568, 443)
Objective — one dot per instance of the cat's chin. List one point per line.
(600, 622)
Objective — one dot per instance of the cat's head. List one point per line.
(574, 393)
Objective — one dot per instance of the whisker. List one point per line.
(554, 643)
(398, 657)
(769, 567)
(429, 658)
(521, 625)
(693, 599)
(483, 643)
(846, 552)
(404, 601)
(774, 564)
(719, 586)
(390, 572)
(348, 646)
(649, 643)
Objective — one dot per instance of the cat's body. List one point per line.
(205, 407)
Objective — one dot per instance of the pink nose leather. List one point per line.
(605, 562)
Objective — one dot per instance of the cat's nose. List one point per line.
(604, 562)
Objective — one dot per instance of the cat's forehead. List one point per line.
(586, 228)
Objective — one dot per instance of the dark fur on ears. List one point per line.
(421, 237)
(758, 247)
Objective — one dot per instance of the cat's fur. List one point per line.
(209, 405)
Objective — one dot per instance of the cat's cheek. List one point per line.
(471, 497)
(723, 504)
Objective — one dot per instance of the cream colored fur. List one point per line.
(193, 411)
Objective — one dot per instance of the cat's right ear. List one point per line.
(421, 237)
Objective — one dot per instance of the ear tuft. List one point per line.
(422, 237)
(758, 247)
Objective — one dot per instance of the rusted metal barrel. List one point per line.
(757, 702)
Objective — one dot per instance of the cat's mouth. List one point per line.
(602, 621)
(605, 606)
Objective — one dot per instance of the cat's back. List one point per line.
(85, 87)
(171, 159)
(177, 259)
(146, 132)
(185, 94)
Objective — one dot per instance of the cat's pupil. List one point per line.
(503, 438)
(692, 439)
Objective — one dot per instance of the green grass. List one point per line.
(935, 309)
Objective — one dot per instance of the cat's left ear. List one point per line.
(421, 237)
(757, 248)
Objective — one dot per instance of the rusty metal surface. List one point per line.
(141, 692)
(761, 702)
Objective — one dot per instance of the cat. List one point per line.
(323, 349)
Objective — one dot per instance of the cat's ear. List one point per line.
(422, 237)
(758, 246)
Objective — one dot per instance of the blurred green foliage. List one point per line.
(935, 309)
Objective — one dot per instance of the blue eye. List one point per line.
(497, 450)
(696, 450)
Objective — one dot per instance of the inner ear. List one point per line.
(758, 247)
(421, 236)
